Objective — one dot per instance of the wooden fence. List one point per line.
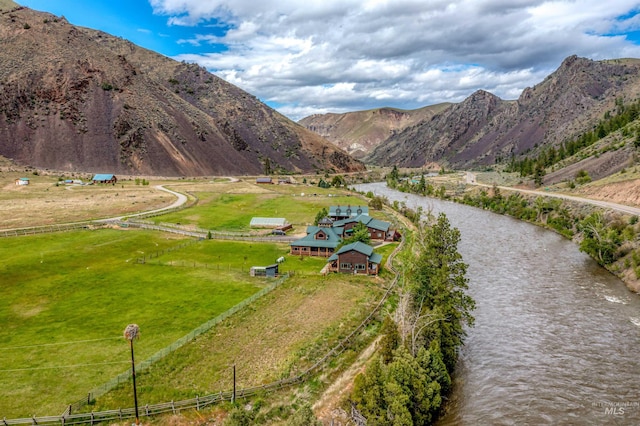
(69, 417)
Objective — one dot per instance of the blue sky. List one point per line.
(318, 56)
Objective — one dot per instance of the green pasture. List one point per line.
(67, 298)
(279, 336)
(228, 211)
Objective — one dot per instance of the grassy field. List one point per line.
(277, 337)
(230, 206)
(86, 287)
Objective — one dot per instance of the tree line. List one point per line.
(410, 377)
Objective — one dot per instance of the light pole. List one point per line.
(133, 332)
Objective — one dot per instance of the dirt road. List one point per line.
(605, 204)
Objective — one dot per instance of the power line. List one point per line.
(58, 344)
(62, 366)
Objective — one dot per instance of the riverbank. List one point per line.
(608, 236)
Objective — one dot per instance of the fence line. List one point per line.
(50, 228)
(67, 418)
(124, 377)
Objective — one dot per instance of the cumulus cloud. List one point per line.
(319, 56)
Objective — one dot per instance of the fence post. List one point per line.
(197, 403)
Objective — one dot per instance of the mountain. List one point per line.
(484, 129)
(76, 99)
(360, 132)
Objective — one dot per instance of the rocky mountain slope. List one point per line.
(484, 129)
(75, 99)
(360, 132)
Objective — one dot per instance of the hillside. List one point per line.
(75, 99)
(360, 132)
(484, 129)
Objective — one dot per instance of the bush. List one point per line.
(582, 177)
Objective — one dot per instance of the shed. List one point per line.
(22, 181)
(270, 271)
(264, 180)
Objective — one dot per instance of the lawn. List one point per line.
(70, 295)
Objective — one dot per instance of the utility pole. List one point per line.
(130, 333)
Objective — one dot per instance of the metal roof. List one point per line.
(268, 221)
(100, 177)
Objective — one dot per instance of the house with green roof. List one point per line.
(355, 258)
(345, 212)
(318, 242)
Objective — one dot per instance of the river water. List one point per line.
(556, 339)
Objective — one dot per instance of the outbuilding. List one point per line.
(22, 181)
(270, 271)
(104, 178)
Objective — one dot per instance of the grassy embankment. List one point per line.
(86, 286)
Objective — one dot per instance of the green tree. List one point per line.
(599, 241)
(320, 215)
(338, 181)
(368, 393)
(376, 202)
(267, 166)
(389, 341)
(360, 232)
(439, 275)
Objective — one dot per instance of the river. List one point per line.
(556, 338)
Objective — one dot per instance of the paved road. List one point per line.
(606, 204)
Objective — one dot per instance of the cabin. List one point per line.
(355, 258)
(270, 271)
(319, 241)
(22, 181)
(346, 212)
(105, 179)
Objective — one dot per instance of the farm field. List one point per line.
(85, 287)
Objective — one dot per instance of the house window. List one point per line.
(360, 267)
(345, 266)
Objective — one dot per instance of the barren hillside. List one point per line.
(360, 132)
(75, 99)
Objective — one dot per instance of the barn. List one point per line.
(104, 178)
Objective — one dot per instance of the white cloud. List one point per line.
(339, 55)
